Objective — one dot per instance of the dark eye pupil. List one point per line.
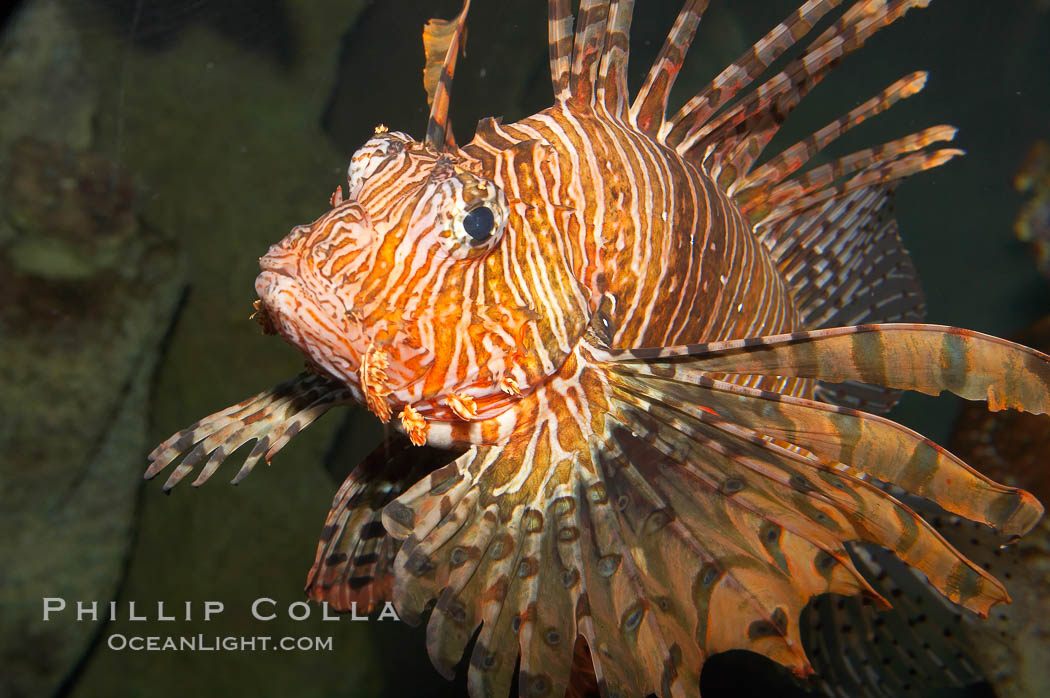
(479, 223)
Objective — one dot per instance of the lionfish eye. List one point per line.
(479, 223)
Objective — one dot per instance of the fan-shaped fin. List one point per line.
(270, 418)
(353, 567)
(699, 516)
(634, 547)
(854, 443)
(480, 555)
(846, 265)
(442, 42)
(847, 508)
(650, 104)
(743, 593)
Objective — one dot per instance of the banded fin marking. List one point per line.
(650, 104)
(738, 75)
(796, 156)
(764, 109)
(893, 160)
(559, 40)
(607, 545)
(353, 566)
(870, 514)
(853, 443)
(612, 93)
(587, 50)
(270, 418)
(699, 540)
(845, 265)
(699, 518)
(924, 358)
(442, 42)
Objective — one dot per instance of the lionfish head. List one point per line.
(403, 289)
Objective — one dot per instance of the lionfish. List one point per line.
(659, 352)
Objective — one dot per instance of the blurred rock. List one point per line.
(90, 289)
(231, 155)
(1033, 222)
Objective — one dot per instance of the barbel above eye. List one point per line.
(479, 223)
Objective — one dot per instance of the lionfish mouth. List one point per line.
(279, 292)
(277, 261)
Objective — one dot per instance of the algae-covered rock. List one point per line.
(228, 145)
(89, 288)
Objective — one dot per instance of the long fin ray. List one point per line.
(924, 358)
(587, 50)
(270, 418)
(873, 515)
(742, 72)
(711, 466)
(649, 108)
(697, 128)
(612, 92)
(442, 43)
(796, 156)
(854, 443)
(889, 161)
(559, 40)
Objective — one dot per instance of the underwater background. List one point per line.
(151, 151)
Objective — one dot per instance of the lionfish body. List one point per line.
(623, 324)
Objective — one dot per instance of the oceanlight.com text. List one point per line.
(120, 642)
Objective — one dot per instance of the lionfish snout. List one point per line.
(311, 287)
(321, 254)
